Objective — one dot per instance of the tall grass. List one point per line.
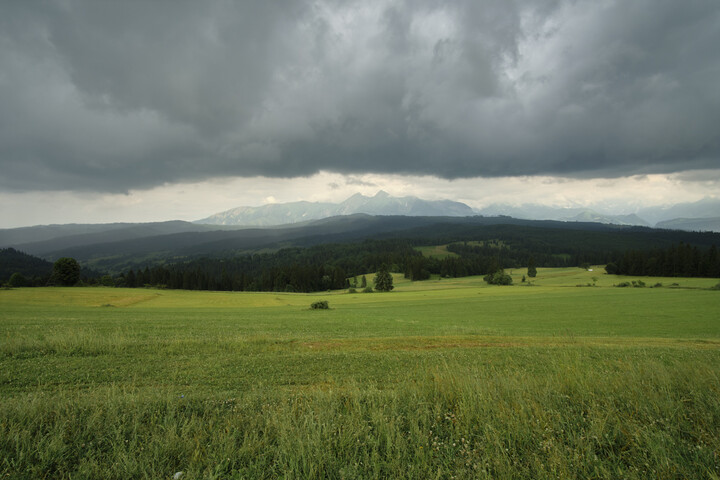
(587, 413)
(446, 381)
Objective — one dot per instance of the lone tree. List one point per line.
(532, 270)
(66, 271)
(383, 280)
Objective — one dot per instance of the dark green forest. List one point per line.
(330, 261)
(331, 266)
(680, 260)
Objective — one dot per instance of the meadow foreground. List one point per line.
(438, 379)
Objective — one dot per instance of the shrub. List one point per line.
(498, 278)
(368, 289)
(623, 284)
(352, 290)
(17, 280)
(320, 305)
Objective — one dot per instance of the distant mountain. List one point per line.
(700, 215)
(45, 238)
(380, 204)
(592, 216)
(692, 224)
(563, 214)
(705, 208)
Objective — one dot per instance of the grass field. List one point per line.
(447, 378)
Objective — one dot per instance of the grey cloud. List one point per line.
(359, 182)
(109, 96)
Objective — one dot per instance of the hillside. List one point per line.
(561, 237)
(12, 261)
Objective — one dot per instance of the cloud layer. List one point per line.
(112, 96)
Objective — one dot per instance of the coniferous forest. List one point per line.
(329, 267)
(316, 264)
(681, 260)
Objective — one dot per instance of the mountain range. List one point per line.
(46, 239)
(296, 212)
(697, 216)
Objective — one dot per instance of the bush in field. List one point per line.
(368, 289)
(320, 305)
(498, 278)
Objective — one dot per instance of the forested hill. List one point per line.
(34, 270)
(571, 241)
(473, 250)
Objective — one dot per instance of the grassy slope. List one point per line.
(438, 378)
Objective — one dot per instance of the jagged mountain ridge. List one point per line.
(384, 204)
(295, 212)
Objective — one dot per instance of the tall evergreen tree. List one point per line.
(383, 280)
(532, 269)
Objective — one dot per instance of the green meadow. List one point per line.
(566, 377)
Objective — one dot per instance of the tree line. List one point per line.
(337, 266)
(331, 266)
(681, 260)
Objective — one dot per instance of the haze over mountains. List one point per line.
(698, 216)
(380, 204)
(702, 215)
(117, 247)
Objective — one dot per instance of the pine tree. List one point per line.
(532, 270)
(383, 280)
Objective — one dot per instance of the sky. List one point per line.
(177, 109)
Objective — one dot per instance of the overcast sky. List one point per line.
(139, 111)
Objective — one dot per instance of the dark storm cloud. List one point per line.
(109, 96)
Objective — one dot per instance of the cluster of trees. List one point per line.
(681, 260)
(498, 278)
